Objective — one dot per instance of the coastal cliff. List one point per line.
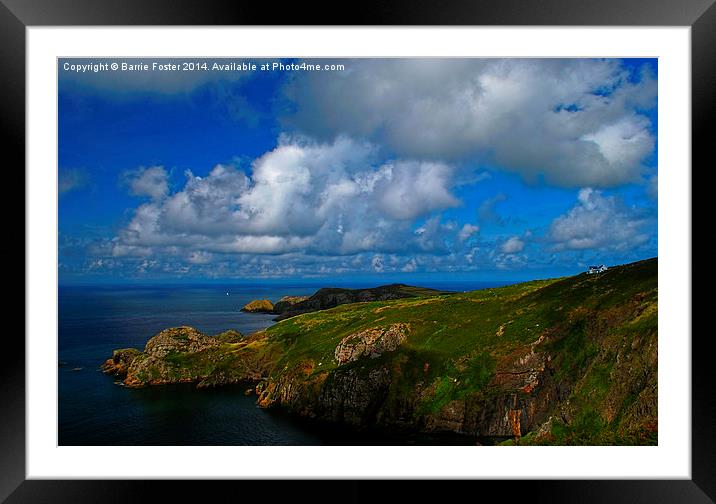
(561, 361)
(330, 297)
(259, 306)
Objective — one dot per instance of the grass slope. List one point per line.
(602, 339)
(569, 360)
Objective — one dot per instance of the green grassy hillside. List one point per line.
(562, 361)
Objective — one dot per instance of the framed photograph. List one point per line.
(417, 244)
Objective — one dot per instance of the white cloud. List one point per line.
(510, 261)
(377, 263)
(588, 198)
(625, 142)
(152, 182)
(410, 266)
(303, 196)
(513, 245)
(433, 236)
(576, 122)
(206, 205)
(467, 231)
(598, 222)
(412, 188)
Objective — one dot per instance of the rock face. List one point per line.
(258, 306)
(185, 355)
(286, 303)
(120, 362)
(179, 340)
(521, 394)
(370, 343)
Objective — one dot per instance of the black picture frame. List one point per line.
(17, 15)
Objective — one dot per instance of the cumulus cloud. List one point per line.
(410, 266)
(509, 261)
(574, 122)
(377, 263)
(467, 231)
(513, 245)
(413, 188)
(303, 196)
(373, 160)
(599, 222)
(152, 182)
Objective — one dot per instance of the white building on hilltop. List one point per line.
(597, 269)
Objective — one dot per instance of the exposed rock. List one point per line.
(450, 418)
(543, 432)
(180, 340)
(351, 396)
(151, 370)
(286, 303)
(185, 355)
(371, 342)
(120, 361)
(521, 370)
(258, 306)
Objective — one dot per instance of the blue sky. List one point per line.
(389, 169)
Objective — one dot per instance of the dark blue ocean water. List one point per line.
(94, 410)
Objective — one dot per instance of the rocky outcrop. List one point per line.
(120, 361)
(186, 355)
(286, 303)
(179, 340)
(370, 342)
(258, 306)
(150, 370)
(351, 396)
(520, 396)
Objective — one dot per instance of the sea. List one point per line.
(95, 409)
